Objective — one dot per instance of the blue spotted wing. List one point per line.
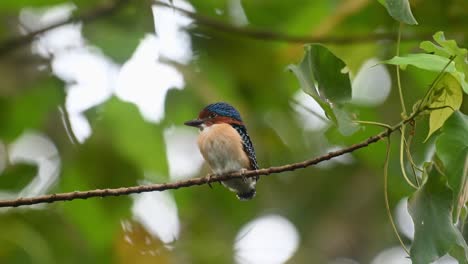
(248, 146)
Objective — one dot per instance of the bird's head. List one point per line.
(216, 113)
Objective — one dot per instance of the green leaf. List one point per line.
(435, 234)
(431, 62)
(17, 176)
(345, 124)
(423, 61)
(448, 97)
(452, 150)
(307, 85)
(31, 108)
(327, 69)
(400, 10)
(447, 49)
(320, 76)
(137, 140)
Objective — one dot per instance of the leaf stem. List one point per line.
(434, 83)
(400, 92)
(402, 156)
(387, 204)
(414, 167)
(373, 123)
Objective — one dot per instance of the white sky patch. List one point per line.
(447, 259)
(182, 152)
(91, 77)
(56, 40)
(270, 239)
(80, 127)
(404, 221)
(237, 13)
(37, 149)
(343, 261)
(88, 74)
(145, 81)
(311, 121)
(372, 84)
(394, 255)
(173, 41)
(157, 212)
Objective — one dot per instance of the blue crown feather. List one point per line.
(224, 109)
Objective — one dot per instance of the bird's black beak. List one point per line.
(194, 123)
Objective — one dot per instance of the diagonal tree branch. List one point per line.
(203, 180)
(8, 45)
(261, 34)
(101, 12)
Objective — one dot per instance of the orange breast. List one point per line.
(221, 146)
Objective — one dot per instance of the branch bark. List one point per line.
(8, 45)
(101, 12)
(261, 34)
(50, 198)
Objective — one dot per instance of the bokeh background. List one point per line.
(100, 103)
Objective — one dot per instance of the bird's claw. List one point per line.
(209, 181)
(242, 173)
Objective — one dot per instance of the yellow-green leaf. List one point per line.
(446, 98)
(448, 48)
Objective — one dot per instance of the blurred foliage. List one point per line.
(339, 211)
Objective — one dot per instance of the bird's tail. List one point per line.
(245, 196)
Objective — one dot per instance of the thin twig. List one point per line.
(50, 198)
(67, 124)
(8, 45)
(261, 34)
(373, 123)
(434, 84)
(402, 157)
(387, 203)
(400, 92)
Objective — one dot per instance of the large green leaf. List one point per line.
(447, 96)
(346, 126)
(307, 85)
(447, 49)
(400, 10)
(423, 61)
(326, 69)
(430, 62)
(435, 234)
(452, 150)
(320, 74)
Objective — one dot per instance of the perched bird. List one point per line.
(226, 146)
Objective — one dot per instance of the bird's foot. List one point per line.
(242, 173)
(209, 181)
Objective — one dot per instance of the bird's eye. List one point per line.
(213, 115)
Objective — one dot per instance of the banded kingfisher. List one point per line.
(225, 145)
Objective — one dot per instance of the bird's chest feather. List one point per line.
(221, 146)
